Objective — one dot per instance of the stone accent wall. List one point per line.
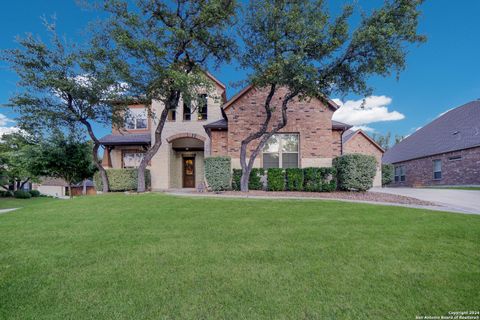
(311, 119)
(464, 171)
(360, 144)
(219, 146)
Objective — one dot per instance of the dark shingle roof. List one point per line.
(457, 129)
(220, 124)
(127, 139)
(340, 125)
(347, 135)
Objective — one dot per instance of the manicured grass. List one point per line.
(161, 257)
(7, 203)
(457, 188)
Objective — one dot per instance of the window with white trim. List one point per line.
(136, 119)
(281, 151)
(132, 159)
(437, 169)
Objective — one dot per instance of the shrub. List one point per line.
(6, 194)
(34, 193)
(295, 179)
(20, 194)
(121, 179)
(236, 176)
(276, 179)
(254, 183)
(387, 174)
(218, 173)
(355, 171)
(320, 179)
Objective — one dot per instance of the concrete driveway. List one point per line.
(465, 201)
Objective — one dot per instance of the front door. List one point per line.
(189, 172)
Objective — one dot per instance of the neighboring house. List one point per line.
(57, 187)
(444, 152)
(357, 141)
(310, 139)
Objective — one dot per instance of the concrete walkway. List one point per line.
(7, 210)
(466, 201)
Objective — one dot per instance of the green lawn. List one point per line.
(161, 257)
(457, 188)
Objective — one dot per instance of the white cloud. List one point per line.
(4, 128)
(4, 120)
(363, 128)
(361, 112)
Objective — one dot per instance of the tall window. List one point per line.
(132, 159)
(437, 169)
(202, 107)
(400, 173)
(172, 115)
(187, 112)
(281, 151)
(136, 119)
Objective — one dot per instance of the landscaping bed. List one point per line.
(340, 195)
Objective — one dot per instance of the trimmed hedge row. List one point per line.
(121, 179)
(20, 194)
(217, 173)
(291, 179)
(254, 183)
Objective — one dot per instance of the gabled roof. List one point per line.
(245, 90)
(349, 134)
(126, 140)
(211, 77)
(455, 130)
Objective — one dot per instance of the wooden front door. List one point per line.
(189, 172)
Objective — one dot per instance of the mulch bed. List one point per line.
(360, 196)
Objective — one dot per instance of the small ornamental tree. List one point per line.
(297, 46)
(64, 85)
(60, 156)
(165, 47)
(14, 166)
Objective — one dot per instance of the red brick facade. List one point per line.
(311, 119)
(219, 146)
(359, 143)
(458, 168)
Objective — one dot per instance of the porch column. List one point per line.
(107, 158)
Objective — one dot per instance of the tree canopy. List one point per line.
(300, 46)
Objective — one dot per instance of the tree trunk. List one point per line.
(172, 103)
(23, 183)
(70, 190)
(84, 189)
(98, 164)
(263, 135)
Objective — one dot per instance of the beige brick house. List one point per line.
(217, 127)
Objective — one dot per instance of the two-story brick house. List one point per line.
(310, 139)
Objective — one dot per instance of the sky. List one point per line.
(441, 74)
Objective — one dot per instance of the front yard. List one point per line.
(162, 257)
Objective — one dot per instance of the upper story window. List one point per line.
(202, 107)
(187, 112)
(172, 115)
(400, 173)
(136, 119)
(281, 151)
(437, 169)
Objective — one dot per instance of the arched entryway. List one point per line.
(186, 160)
